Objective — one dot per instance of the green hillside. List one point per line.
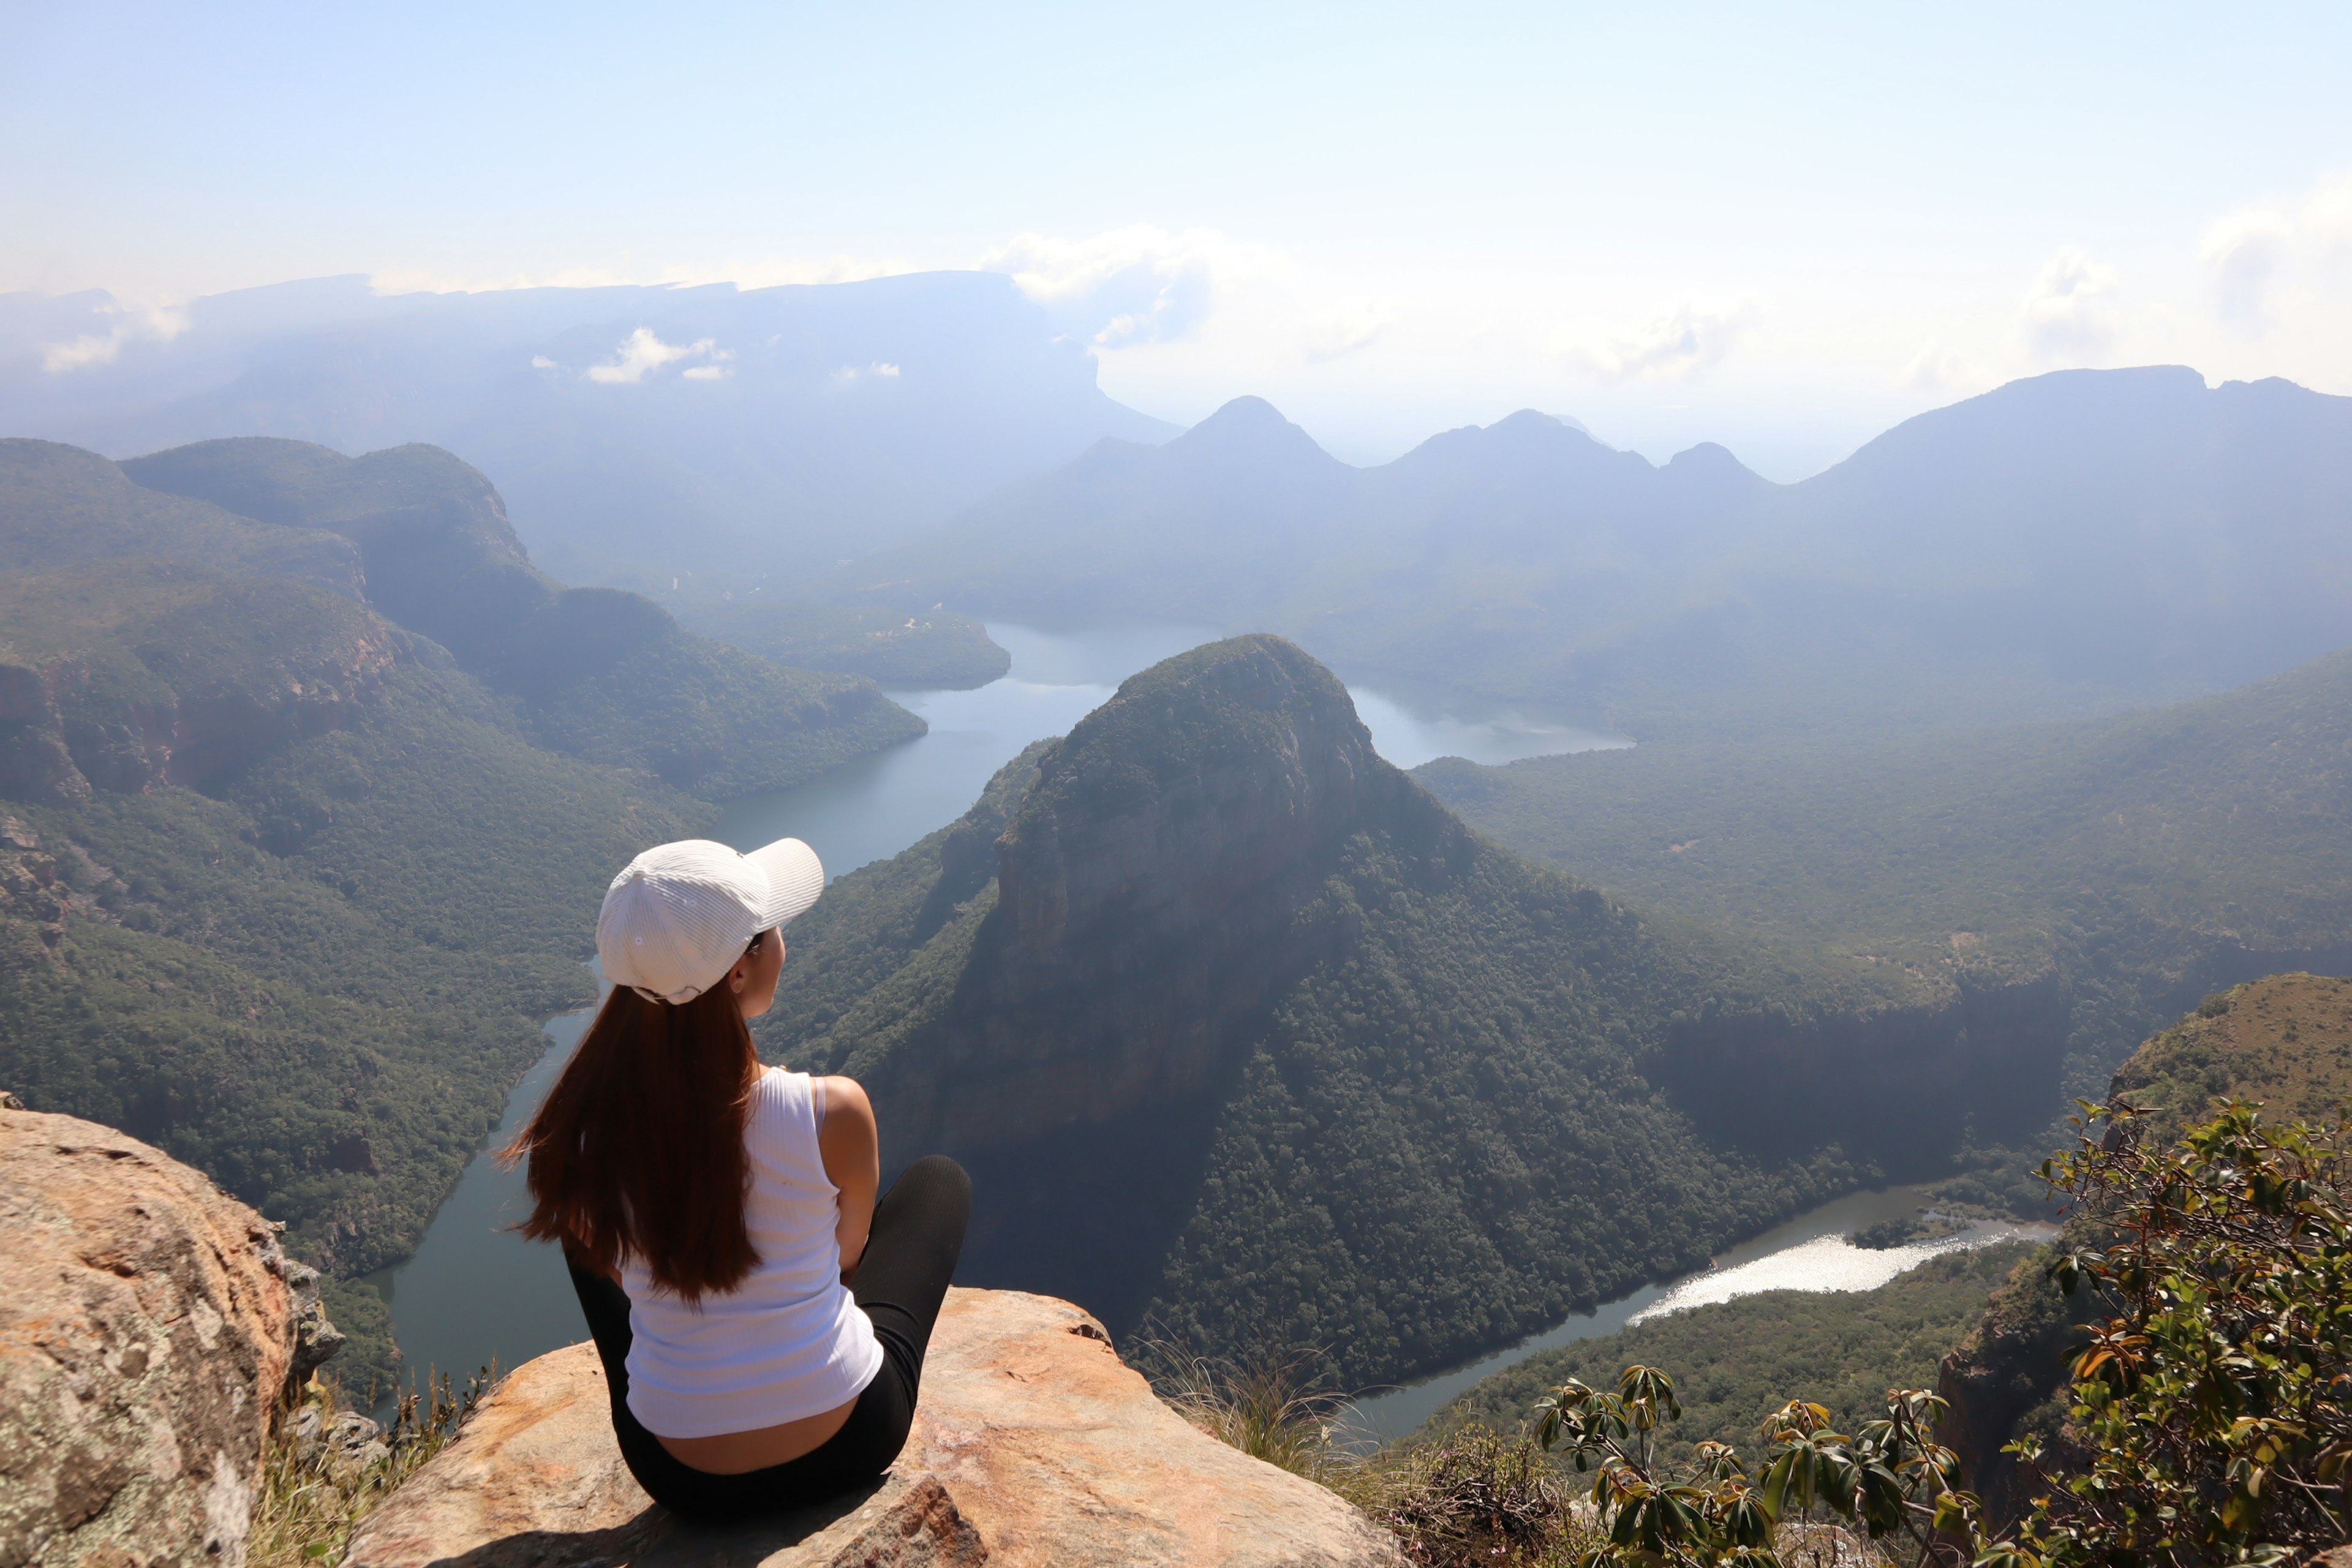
(60, 506)
(931, 649)
(602, 674)
(1735, 1363)
(2140, 859)
(379, 887)
(1241, 1032)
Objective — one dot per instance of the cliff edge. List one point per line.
(1034, 1443)
(148, 1324)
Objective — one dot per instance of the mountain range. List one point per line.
(2075, 543)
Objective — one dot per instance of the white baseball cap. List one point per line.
(677, 919)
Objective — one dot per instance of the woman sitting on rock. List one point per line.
(761, 1320)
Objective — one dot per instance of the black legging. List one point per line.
(900, 1281)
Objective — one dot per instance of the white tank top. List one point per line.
(788, 1341)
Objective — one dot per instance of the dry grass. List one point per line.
(1264, 1407)
(1472, 1497)
(306, 1509)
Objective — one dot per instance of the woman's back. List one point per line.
(789, 1340)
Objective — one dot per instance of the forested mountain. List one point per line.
(286, 882)
(638, 432)
(600, 674)
(2133, 862)
(2072, 542)
(309, 889)
(1241, 1031)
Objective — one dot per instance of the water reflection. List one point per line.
(475, 1292)
(1807, 1253)
(1408, 737)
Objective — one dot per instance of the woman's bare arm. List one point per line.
(852, 1148)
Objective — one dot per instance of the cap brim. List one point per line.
(795, 877)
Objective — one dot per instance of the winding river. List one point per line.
(474, 1293)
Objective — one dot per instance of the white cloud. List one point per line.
(1139, 284)
(2261, 260)
(1342, 332)
(157, 323)
(1685, 341)
(541, 362)
(1937, 368)
(880, 368)
(758, 272)
(2070, 313)
(641, 353)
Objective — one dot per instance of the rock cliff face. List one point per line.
(124, 675)
(148, 1327)
(1033, 1444)
(604, 674)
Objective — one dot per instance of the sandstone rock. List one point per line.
(1033, 1445)
(146, 1332)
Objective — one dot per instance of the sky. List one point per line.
(1778, 227)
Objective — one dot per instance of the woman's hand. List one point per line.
(852, 1148)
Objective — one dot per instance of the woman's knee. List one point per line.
(938, 1179)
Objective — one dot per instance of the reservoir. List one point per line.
(474, 1292)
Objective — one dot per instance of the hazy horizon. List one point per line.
(1783, 235)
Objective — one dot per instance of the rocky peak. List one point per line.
(1206, 776)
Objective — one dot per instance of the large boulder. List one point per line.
(148, 1324)
(1034, 1443)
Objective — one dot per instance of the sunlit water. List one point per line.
(1807, 1253)
(474, 1292)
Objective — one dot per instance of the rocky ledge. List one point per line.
(149, 1325)
(1035, 1444)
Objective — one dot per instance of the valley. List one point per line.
(1440, 1030)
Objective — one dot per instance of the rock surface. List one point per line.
(147, 1324)
(1034, 1443)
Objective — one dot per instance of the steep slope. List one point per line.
(604, 674)
(2070, 543)
(765, 430)
(1240, 1031)
(2141, 859)
(295, 923)
(2284, 1042)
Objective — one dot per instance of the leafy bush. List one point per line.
(2210, 1404)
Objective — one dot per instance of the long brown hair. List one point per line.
(637, 1151)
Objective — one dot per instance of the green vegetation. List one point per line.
(929, 650)
(1391, 1100)
(319, 988)
(602, 674)
(60, 506)
(284, 892)
(2115, 868)
(2208, 1421)
(1735, 1363)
